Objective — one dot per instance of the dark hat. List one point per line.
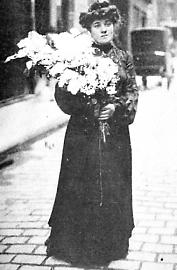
(99, 10)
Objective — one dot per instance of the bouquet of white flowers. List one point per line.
(73, 61)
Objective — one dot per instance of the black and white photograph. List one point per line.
(88, 135)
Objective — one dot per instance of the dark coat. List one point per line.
(94, 173)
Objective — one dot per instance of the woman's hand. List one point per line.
(106, 112)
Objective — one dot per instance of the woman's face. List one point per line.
(102, 31)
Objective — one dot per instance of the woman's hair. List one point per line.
(99, 10)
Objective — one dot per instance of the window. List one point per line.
(139, 17)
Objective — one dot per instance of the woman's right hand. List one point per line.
(106, 112)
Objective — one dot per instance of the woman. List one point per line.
(92, 218)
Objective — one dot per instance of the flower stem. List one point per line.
(104, 130)
(100, 169)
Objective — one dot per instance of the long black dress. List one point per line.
(92, 218)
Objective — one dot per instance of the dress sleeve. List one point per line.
(126, 102)
(69, 103)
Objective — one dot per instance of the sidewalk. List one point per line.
(28, 188)
(26, 119)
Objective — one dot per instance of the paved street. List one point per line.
(28, 186)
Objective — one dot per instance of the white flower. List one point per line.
(34, 42)
(75, 85)
(65, 44)
(111, 90)
(74, 31)
(60, 40)
(67, 76)
(58, 68)
(9, 58)
(83, 41)
(70, 58)
(21, 53)
(29, 64)
(70, 45)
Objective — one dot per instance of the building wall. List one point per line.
(66, 14)
(152, 14)
(167, 16)
(42, 16)
(167, 11)
(137, 14)
(15, 24)
(80, 6)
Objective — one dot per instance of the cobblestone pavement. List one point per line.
(28, 188)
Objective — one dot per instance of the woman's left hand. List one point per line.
(106, 112)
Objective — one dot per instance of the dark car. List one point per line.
(151, 53)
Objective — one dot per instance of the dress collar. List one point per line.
(103, 47)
